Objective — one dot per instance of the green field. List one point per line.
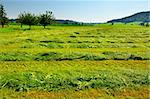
(87, 62)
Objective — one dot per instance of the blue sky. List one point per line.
(79, 10)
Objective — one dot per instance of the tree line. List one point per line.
(27, 18)
(31, 19)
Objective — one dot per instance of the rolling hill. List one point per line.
(138, 17)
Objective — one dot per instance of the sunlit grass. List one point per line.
(74, 61)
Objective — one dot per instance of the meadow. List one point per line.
(99, 61)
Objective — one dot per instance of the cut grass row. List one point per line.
(51, 77)
(141, 92)
(84, 37)
(59, 56)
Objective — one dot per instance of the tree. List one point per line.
(46, 19)
(27, 19)
(147, 24)
(142, 24)
(3, 18)
(21, 19)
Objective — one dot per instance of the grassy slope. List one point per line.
(103, 78)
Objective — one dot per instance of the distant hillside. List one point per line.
(138, 17)
(66, 21)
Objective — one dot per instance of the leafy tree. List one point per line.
(3, 18)
(46, 19)
(21, 19)
(147, 24)
(142, 24)
(27, 19)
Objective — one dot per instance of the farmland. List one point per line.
(75, 61)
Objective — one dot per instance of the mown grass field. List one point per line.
(103, 61)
